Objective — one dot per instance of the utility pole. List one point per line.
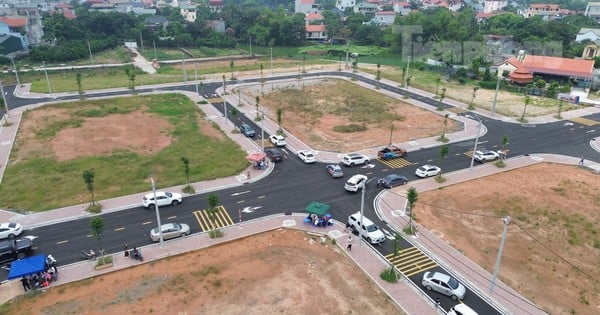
(47, 80)
(251, 54)
(16, 72)
(224, 101)
(476, 141)
(184, 68)
(90, 51)
(406, 74)
(154, 44)
(506, 221)
(496, 95)
(160, 234)
(4, 99)
(271, 48)
(196, 78)
(141, 41)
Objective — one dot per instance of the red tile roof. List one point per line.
(559, 66)
(14, 22)
(314, 16)
(542, 5)
(315, 28)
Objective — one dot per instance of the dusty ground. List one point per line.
(552, 250)
(279, 272)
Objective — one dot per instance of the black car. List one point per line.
(15, 249)
(274, 154)
(392, 180)
(247, 130)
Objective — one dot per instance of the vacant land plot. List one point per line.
(340, 116)
(552, 250)
(123, 140)
(278, 272)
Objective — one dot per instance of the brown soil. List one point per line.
(552, 250)
(278, 272)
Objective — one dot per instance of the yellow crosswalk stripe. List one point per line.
(411, 261)
(584, 121)
(215, 100)
(207, 222)
(395, 163)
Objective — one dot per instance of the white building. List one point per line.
(343, 4)
(493, 5)
(592, 34)
(592, 10)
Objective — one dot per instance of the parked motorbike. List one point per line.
(136, 254)
(91, 254)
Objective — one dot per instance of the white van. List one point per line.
(369, 230)
(461, 309)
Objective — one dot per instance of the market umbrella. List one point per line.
(256, 156)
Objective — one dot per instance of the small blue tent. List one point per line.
(27, 266)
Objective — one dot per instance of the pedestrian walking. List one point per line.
(248, 175)
(581, 161)
(349, 247)
(378, 182)
(126, 251)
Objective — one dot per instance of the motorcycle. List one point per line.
(91, 254)
(136, 254)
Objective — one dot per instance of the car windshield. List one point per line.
(453, 283)
(168, 194)
(177, 226)
(372, 228)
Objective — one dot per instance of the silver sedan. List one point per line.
(170, 230)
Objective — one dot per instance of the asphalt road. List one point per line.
(293, 184)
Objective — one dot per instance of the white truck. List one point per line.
(369, 230)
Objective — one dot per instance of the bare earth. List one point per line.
(551, 256)
(278, 272)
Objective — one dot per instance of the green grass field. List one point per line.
(38, 182)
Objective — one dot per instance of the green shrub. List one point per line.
(389, 275)
(215, 233)
(349, 128)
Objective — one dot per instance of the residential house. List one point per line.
(574, 69)
(216, 6)
(66, 10)
(402, 7)
(33, 27)
(385, 18)
(452, 5)
(365, 8)
(12, 42)
(592, 10)
(592, 34)
(188, 11)
(490, 6)
(316, 32)
(546, 11)
(591, 51)
(344, 4)
(306, 6)
(156, 22)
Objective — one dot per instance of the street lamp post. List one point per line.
(362, 211)
(406, 74)
(262, 131)
(476, 141)
(160, 235)
(47, 80)
(271, 48)
(496, 95)
(16, 72)
(196, 78)
(224, 101)
(506, 221)
(4, 99)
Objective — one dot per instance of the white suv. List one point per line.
(164, 199)
(487, 155)
(369, 230)
(355, 159)
(355, 182)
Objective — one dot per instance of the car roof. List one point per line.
(334, 166)
(428, 166)
(357, 177)
(9, 224)
(393, 176)
(440, 276)
(354, 155)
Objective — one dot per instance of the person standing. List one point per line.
(581, 161)
(126, 251)
(25, 283)
(349, 247)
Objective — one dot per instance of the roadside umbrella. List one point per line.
(256, 156)
(317, 208)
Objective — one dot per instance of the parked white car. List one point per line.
(444, 284)
(278, 140)
(164, 199)
(427, 170)
(10, 230)
(307, 156)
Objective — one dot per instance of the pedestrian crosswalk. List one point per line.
(411, 261)
(395, 163)
(584, 121)
(210, 221)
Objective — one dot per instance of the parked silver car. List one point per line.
(170, 230)
(443, 284)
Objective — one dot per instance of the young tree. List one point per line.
(96, 228)
(231, 65)
(438, 80)
(443, 155)
(475, 89)
(257, 99)
(88, 178)
(444, 127)
(261, 72)
(279, 117)
(79, 86)
(186, 169)
(504, 143)
(213, 201)
(378, 76)
(411, 197)
(527, 102)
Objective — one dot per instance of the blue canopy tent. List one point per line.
(27, 266)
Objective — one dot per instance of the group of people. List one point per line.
(262, 164)
(325, 221)
(41, 279)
